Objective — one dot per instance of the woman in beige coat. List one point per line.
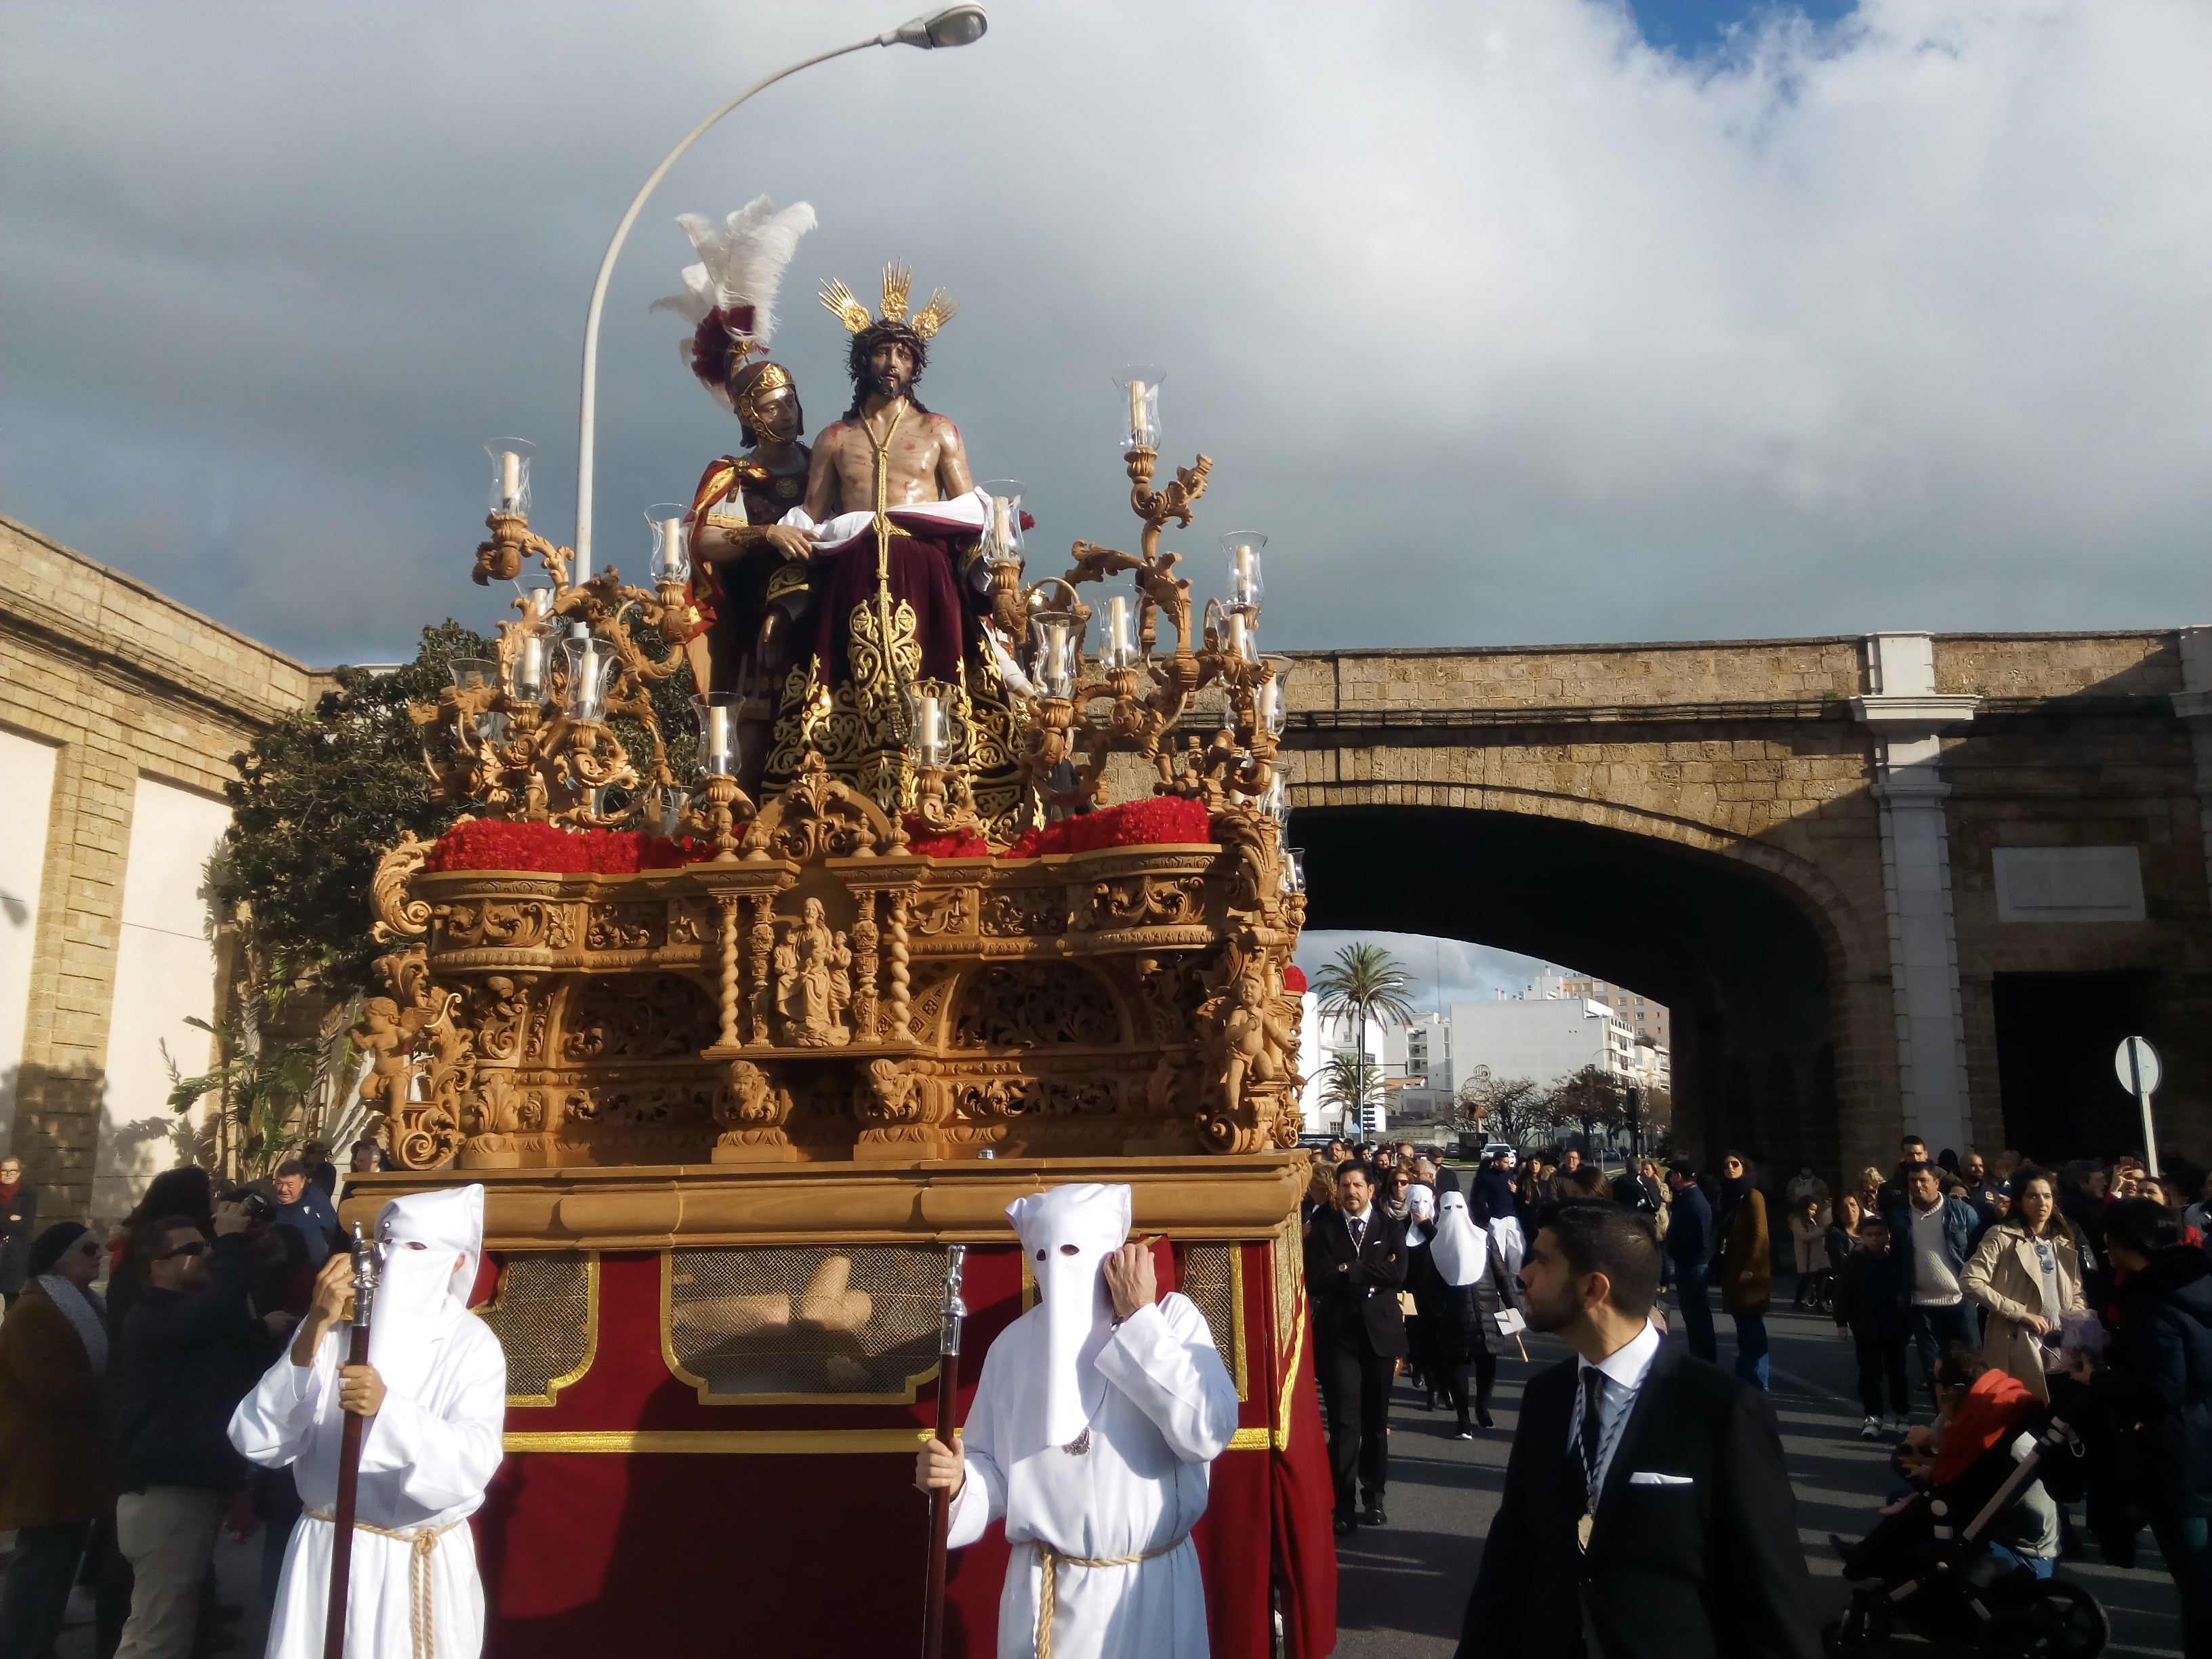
(2027, 1272)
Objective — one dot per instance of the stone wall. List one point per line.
(1776, 755)
(136, 698)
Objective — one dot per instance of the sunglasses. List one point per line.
(197, 1247)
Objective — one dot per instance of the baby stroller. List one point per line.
(1935, 1576)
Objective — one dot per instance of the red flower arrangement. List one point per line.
(953, 845)
(1163, 819)
(1294, 978)
(548, 849)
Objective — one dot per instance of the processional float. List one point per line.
(742, 1027)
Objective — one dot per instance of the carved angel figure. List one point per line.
(1254, 1039)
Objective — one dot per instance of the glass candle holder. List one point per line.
(926, 724)
(530, 664)
(470, 672)
(1140, 393)
(1117, 646)
(1055, 672)
(717, 714)
(671, 558)
(510, 473)
(1274, 705)
(589, 671)
(1294, 870)
(1002, 533)
(1245, 587)
(1240, 636)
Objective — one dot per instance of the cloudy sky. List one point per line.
(1519, 321)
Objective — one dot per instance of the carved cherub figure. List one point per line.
(1254, 1038)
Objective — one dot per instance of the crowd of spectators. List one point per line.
(116, 1471)
(1994, 1293)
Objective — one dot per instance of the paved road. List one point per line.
(1402, 1588)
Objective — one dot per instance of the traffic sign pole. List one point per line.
(2138, 1065)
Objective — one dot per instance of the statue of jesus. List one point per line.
(901, 592)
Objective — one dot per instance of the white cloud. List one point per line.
(1506, 327)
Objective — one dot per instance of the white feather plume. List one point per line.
(742, 263)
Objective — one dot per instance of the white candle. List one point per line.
(1117, 652)
(587, 684)
(510, 478)
(718, 738)
(530, 675)
(928, 728)
(1002, 532)
(1240, 636)
(1245, 573)
(675, 558)
(1137, 435)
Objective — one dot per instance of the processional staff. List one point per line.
(948, 1399)
(364, 1296)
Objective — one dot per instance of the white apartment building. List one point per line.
(1320, 1040)
(1648, 1018)
(1542, 1037)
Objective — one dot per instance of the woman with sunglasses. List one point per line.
(54, 1476)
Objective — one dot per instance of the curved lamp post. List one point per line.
(954, 25)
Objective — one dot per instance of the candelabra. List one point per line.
(530, 733)
(1080, 708)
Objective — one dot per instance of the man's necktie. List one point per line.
(1593, 1428)
(1359, 1233)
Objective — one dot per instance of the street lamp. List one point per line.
(953, 26)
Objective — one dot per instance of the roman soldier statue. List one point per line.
(749, 581)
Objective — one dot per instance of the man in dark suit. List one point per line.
(1355, 1268)
(1645, 1492)
(1690, 1252)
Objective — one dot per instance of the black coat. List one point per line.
(1674, 1571)
(1689, 1241)
(19, 1226)
(185, 1363)
(1462, 1319)
(1355, 1296)
(2160, 1376)
(1868, 1296)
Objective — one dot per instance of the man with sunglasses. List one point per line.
(191, 1349)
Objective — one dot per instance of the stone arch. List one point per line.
(1747, 943)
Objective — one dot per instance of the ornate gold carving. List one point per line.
(1039, 911)
(640, 927)
(398, 914)
(661, 1016)
(1026, 1004)
(818, 817)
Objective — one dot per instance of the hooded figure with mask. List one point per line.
(434, 1394)
(1091, 1429)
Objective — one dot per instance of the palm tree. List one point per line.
(1362, 980)
(1345, 1087)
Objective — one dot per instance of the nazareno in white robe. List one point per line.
(1167, 1411)
(426, 1457)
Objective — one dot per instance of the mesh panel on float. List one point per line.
(791, 1322)
(545, 1314)
(1213, 1277)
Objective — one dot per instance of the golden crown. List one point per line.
(898, 284)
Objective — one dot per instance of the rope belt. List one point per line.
(1049, 1560)
(423, 1544)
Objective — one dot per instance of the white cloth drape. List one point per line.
(1169, 1411)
